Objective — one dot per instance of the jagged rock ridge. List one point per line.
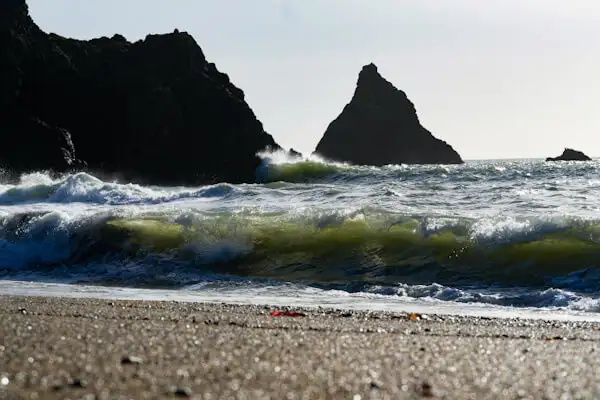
(154, 111)
(380, 126)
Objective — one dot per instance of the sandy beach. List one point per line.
(57, 348)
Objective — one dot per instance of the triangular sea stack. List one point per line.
(380, 126)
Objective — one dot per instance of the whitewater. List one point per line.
(492, 237)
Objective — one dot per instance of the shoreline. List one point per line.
(53, 347)
(314, 300)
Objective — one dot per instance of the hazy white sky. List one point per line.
(494, 78)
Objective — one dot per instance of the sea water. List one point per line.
(499, 236)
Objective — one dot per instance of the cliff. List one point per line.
(155, 111)
(380, 126)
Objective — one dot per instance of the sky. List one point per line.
(494, 78)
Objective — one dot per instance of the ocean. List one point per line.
(494, 237)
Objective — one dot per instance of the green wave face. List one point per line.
(301, 171)
(358, 250)
(152, 235)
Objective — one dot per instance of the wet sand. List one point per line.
(57, 348)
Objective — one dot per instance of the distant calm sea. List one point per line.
(510, 233)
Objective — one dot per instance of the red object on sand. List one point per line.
(293, 314)
(286, 314)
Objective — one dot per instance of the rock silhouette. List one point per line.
(380, 126)
(293, 153)
(570, 155)
(154, 111)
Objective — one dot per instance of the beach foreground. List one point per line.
(100, 349)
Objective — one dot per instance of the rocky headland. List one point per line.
(154, 111)
(380, 126)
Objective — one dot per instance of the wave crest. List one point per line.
(85, 188)
(348, 248)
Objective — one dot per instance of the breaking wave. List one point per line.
(85, 188)
(336, 250)
(278, 166)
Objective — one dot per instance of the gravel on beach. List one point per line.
(58, 348)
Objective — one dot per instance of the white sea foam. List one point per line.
(85, 188)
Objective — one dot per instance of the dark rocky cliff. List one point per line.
(154, 111)
(380, 126)
(570, 155)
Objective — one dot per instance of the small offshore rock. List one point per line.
(570, 155)
(294, 154)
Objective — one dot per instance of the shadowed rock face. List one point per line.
(570, 155)
(154, 111)
(380, 126)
